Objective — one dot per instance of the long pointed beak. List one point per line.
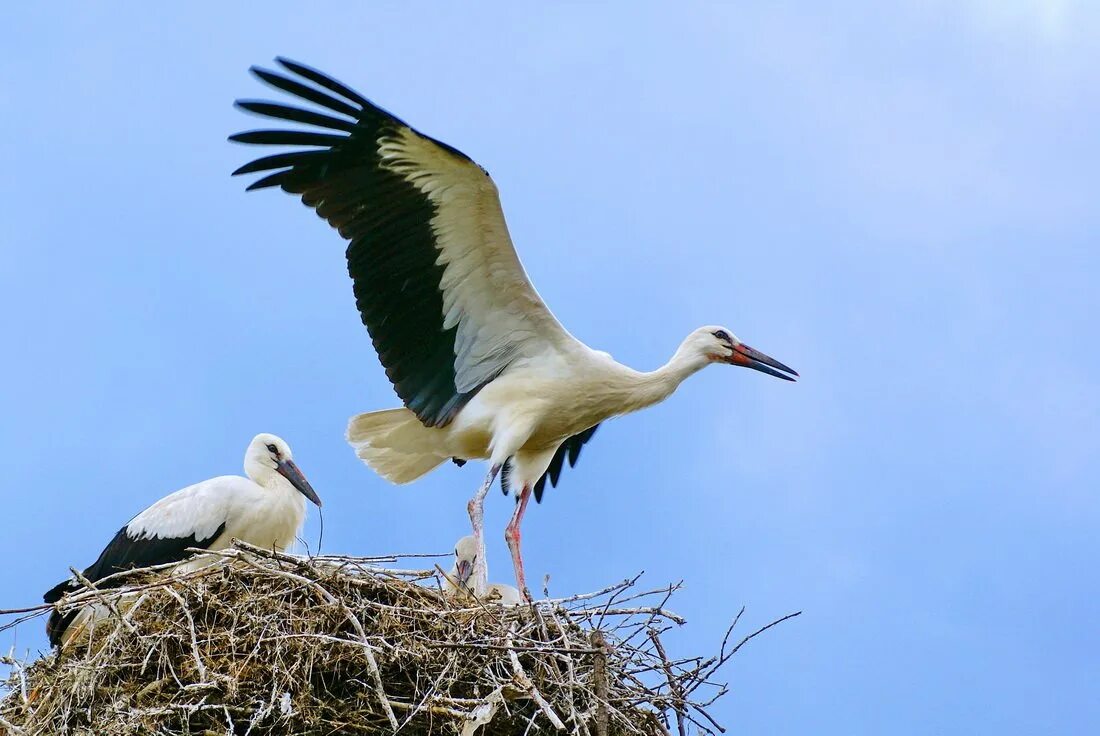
(464, 569)
(746, 357)
(290, 471)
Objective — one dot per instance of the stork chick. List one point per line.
(465, 577)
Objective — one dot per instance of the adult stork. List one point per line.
(266, 509)
(484, 369)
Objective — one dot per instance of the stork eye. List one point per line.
(273, 449)
(722, 335)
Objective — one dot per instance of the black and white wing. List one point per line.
(437, 281)
(193, 517)
(570, 449)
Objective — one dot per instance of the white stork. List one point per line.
(265, 509)
(471, 577)
(484, 369)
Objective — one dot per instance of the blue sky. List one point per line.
(898, 200)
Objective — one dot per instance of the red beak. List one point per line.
(746, 357)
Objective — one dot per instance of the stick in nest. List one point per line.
(273, 643)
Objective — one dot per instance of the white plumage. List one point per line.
(265, 509)
(486, 293)
(468, 576)
(484, 369)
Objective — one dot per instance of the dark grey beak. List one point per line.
(746, 357)
(464, 569)
(290, 471)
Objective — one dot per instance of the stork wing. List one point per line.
(123, 553)
(571, 449)
(437, 281)
(126, 551)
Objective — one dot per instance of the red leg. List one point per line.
(512, 536)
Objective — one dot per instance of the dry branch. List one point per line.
(259, 642)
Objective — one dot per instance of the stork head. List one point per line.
(268, 457)
(716, 344)
(465, 557)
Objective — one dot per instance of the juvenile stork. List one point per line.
(483, 368)
(466, 575)
(265, 509)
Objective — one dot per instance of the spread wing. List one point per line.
(437, 281)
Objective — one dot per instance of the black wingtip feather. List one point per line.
(294, 114)
(392, 255)
(571, 450)
(282, 161)
(287, 138)
(274, 180)
(322, 79)
(296, 88)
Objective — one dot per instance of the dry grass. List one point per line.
(263, 643)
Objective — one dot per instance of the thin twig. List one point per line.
(526, 683)
(673, 683)
(194, 636)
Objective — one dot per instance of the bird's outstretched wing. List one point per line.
(437, 280)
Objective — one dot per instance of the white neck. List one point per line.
(270, 480)
(649, 388)
(264, 475)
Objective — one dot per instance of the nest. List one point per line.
(266, 643)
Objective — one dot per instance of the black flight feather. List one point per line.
(123, 553)
(392, 254)
(571, 448)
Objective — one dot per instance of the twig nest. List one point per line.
(264, 643)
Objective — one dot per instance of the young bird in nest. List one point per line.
(462, 580)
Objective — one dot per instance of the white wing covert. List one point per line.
(437, 281)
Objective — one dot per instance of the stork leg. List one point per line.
(476, 507)
(512, 536)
